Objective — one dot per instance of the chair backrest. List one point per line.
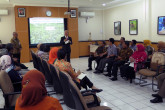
(67, 94)
(48, 74)
(35, 63)
(78, 98)
(158, 58)
(56, 81)
(40, 66)
(6, 84)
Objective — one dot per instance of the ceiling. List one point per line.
(64, 3)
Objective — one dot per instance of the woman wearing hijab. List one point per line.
(53, 55)
(139, 55)
(34, 94)
(6, 64)
(63, 65)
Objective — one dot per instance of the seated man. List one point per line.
(133, 45)
(123, 56)
(97, 55)
(161, 85)
(122, 39)
(112, 52)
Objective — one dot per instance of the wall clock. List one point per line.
(48, 13)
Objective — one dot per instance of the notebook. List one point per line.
(81, 76)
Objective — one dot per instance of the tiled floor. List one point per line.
(118, 95)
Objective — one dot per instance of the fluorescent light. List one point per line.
(104, 4)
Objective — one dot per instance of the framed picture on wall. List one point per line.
(161, 25)
(117, 28)
(21, 12)
(73, 14)
(133, 27)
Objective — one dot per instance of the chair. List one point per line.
(79, 100)
(40, 66)
(35, 63)
(68, 95)
(8, 91)
(56, 81)
(48, 74)
(156, 67)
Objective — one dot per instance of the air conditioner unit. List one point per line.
(87, 14)
(4, 12)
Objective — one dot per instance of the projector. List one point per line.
(67, 13)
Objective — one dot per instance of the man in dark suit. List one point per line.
(66, 41)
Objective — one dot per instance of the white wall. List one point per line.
(138, 10)
(7, 25)
(94, 25)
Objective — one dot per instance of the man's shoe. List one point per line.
(113, 79)
(155, 95)
(109, 75)
(156, 100)
(89, 69)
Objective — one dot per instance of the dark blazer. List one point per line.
(66, 47)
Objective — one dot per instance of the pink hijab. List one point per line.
(5, 62)
(139, 55)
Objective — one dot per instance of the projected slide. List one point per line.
(46, 30)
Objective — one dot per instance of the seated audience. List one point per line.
(63, 65)
(34, 94)
(44, 52)
(133, 45)
(129, 70)
(38, 48)
(97, 55)
(161, 46)
(111, 54)
(53, 55)
(123, 56)
(122, 39)
(149, 50)
(6, 64)
(17, 65)
(161, 86)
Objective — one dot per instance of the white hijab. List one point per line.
(5, 62)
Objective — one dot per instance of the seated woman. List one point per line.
(161, 86)
(17, 65)
(6, 64)
(34, 94)
(63, 65)
(53, 55)
(44, 52)
(139, 55)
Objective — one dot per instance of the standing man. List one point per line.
(66, 41)
(16, 46)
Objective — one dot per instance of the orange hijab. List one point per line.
(33, 90)
(53, 55)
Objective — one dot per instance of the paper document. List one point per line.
(66, 42)
(81, 76)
